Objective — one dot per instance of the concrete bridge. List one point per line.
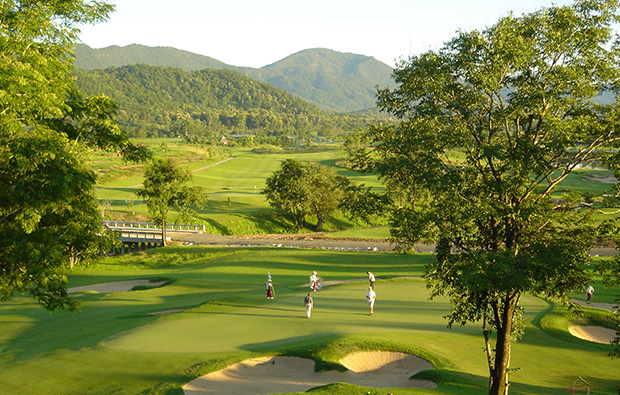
(139, 236)
(150, 226)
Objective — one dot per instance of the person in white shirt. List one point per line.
(589, 292)
(371, 280)
(371, 296)
(313, 280)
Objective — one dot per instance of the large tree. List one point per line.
(307, 188)
(489, 126)
(166, 188)
(48, 213)
(285, 190)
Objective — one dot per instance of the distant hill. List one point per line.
(166, 101)
(331, 80)
(89, 59)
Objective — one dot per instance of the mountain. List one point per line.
(331, 80)
(89, 59)
(168, 101)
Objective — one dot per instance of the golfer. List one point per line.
(371, 296)
(371, 280)
(313, 280)
(589, 292)
(269, 287)
(309, 305)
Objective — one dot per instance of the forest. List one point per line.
(156, 101)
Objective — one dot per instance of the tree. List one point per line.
(285, 190)
(310, 188)
(164, 189)
(325, 190)
(48, 214)
(489, 126)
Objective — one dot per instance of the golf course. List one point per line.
(207, 310)
(195, 319)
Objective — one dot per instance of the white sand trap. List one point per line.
(596, 334)
(269, 375)
(116, 286)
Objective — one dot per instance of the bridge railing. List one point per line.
(146, 226)
(140, 237)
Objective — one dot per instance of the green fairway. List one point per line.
(234, 177)
(114, 345)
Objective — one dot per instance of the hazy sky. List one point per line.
(256, 33)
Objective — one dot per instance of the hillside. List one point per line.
(330, 80)
(166, 101)
(89, 59)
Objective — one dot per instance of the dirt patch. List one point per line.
(596, 334)
(115, 286)
(269, 375)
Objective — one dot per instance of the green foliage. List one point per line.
(174, 102)
(164, 189)
(310, 188)
(284, 189)
(49, 218)
(330, 80)
(519, 100)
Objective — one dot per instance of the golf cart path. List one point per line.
(316, 240)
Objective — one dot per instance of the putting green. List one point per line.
(338, 309)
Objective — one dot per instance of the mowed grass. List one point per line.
(114, 346)
(233, 179)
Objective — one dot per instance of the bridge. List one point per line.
(139, 236)
(150, 226)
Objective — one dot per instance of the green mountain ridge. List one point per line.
(161, 101)
(331, 80)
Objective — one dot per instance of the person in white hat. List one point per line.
(589, 293)
(371, 280)
(313, 280)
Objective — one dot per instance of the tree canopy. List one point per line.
(489, 126)
(166, 101)
(48, 213)
(301, 189)
(165, 188)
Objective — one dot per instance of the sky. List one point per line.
(256, 33)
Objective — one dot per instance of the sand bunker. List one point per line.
(116, 286)
(268, 375)
(596, 334)
(601, 178)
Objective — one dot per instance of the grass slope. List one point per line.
(113, 346)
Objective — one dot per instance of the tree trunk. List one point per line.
(319, 223)
(163, 233)
(499, 373)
